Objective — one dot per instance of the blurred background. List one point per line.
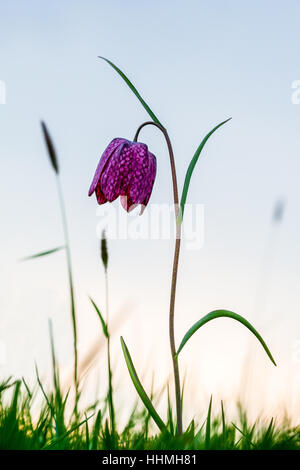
(196, 63)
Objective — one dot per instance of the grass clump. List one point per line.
(51, 428)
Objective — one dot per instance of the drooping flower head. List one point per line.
(126, 169)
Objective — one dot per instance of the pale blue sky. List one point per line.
(196, 63)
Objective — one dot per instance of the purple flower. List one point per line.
(126, 169)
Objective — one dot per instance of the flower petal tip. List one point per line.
(143, 207)
(91, 191)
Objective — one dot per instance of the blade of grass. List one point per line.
(87, 434)
(53, 442)
(27, 388)
(96, 431)
(54, 368)
(170, 414)
(208, 425)
(228, 314)
(54, 162)
(244, 435)
(270, 429)
(223, 422)
(15, 397)
(45, 395)
(6, 384)
(268, 435)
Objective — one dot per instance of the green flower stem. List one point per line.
(174, 272)
(171, 328)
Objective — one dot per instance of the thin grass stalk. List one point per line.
(54, 367)
(54, 163)
(71, 288)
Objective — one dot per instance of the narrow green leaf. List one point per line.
(55, 441)
(15, 397)
(27, 388)
(223, 422)
(45, 395)
(170, 414)
(208, 424)
(269, 431)
(6, 384)
(139, 388)
(43, 253)
(96, 431)
(104, 326)
(228, 314)
(87, 434)
(243, 434)
(192, 166)
(55, 371)
(133, 89)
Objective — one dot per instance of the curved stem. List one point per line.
(172, 160)
(174, 272)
